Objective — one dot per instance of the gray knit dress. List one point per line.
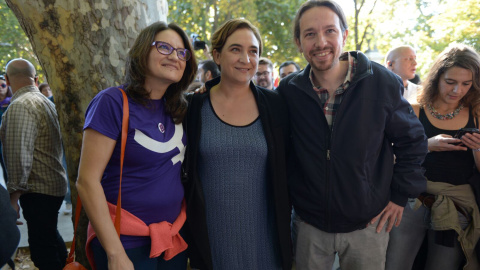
(238, 200)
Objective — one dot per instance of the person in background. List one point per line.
(159, 68)
(288, 67)
(46, 91)
(207, 70)
(264, 75)
(238, 213)
(402, 61)
(194, 86)
(449, 101)
(32, 150)
(416, 79)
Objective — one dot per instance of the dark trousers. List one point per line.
(47, 247)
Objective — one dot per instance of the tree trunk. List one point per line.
(82, 46)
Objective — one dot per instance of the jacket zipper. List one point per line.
(329, 215)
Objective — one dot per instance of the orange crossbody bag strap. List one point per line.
(122, 155)
(119, 199)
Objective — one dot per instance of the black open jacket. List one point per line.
(341, 178)
(274, 117)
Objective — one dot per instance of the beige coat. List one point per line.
(445, 216)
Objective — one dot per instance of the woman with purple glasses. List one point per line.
(159, 67)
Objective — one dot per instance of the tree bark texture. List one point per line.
(82, 46)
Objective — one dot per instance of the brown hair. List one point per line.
(318, 3)
(42, 85)
(455, 55)
(137, 65)
(219, 38)
(265, 61)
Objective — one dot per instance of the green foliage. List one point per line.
(13, 42)
(427, 25)
(443, 22)
(273, 18)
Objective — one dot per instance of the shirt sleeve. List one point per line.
(21, 132)
(104, 113)
(410, 148)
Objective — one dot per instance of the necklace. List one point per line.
(447, 116)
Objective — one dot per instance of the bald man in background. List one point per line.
(32, 149)
(402, 61)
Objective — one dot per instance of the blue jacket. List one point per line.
(339, 180)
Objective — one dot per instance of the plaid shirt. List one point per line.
(330, 105)
(32, 146)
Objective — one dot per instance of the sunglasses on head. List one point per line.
(167, 49)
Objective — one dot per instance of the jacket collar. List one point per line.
(364, 68)
(23, 90)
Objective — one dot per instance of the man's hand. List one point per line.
(392, 213)
(14, 202)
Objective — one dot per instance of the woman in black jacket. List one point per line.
(238, 211)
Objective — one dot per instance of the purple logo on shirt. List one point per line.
(161, 127)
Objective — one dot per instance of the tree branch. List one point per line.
(364, 35)
(374, 4)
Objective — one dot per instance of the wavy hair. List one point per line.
(455, 55)
(137, 66)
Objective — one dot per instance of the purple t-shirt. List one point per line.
(151, 184)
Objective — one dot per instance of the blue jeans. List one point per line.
(47, 247)
(358, 250)
(406, 239)
(141, 260)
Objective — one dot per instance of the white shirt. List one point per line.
(410, 92)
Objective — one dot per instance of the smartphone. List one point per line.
(462, 132)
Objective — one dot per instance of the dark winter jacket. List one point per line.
(340, 179)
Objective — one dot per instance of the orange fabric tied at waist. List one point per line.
(165, 236)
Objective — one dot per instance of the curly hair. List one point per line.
(455, 55)
(137, 66)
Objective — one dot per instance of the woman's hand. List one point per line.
(471, 140)
(200, 90)
(444, 142)
(120, 262)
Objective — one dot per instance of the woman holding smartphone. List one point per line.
(449, 101)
